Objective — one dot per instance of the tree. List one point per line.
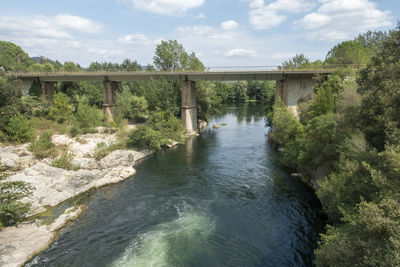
(379, 84)
(348, 53)
(13, 58)
(295, 62)
(171, 56)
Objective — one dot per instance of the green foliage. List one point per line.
(144, 137)
(380, 87)
(129, 105)
(43, 147)
(12, 210)
(87, 117)
(296, 62)
(127, 65)
(61, 110)
(161, 130)
(102, 149)
(171, 56)
(64, 162)
(348, 52)
(324, 103)
(368, 237)
(318, 144)
(19, 129)
(159, 94)
(361, 196)
(13, 58)
(285, 125)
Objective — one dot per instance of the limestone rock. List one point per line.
(19, 243)
(122, 158)
(201, 125)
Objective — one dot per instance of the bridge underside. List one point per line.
(291, 86)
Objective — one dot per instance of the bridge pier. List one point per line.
(48, 90)
(291, 89)
(189, 107)
(109, 89)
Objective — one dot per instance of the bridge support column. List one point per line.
(109, 89)
(293, 89)
(48, 90)
(189, 107)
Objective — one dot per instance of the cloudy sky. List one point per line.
(220, 32)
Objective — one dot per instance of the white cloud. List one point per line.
(58, 27)
(200, 16)
(263, 16)
(341, 19)
(166, 7)
(229, 25)
(240, 52)
(133, 38)
(77, 23)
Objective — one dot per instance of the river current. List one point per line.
(218, 200)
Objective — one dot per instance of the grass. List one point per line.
(65, 162)
(103, 150)
(41, 125)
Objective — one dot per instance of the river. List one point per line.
(218, 200)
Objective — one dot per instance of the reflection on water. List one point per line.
(218, 200)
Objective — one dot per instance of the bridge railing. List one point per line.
(305, 67)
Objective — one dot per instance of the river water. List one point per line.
(218, 200)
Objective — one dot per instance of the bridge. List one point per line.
(291, 85)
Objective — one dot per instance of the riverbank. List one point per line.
(53, 186)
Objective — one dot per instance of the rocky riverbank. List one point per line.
(53, 186)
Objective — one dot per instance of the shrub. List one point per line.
(11, 209)
(319, 144)
(87, 117)
(102, 149)
(43, 147)
(285, 125)
(144, 137)
(19, 129)
(61, 110)
(130, 106)
(64, 162)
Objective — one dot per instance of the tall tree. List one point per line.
(13, 58)
(171, 56)
(295, 62)
(348, 52)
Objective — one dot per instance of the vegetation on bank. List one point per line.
(347, 143)
(346, 140)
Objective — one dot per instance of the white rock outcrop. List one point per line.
(19, 243)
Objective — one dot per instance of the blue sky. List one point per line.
(220, 32)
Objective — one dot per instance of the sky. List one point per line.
(220, 32)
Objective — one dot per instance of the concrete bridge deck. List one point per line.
(275, 75)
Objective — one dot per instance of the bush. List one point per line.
(61, 110)
(43, 147)
(285, 125)
(64, 162)
(319, 144)
(11, 209)
(19, 129)
(102, 149)
(144, 137)
(130, 106)
(87, 117)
